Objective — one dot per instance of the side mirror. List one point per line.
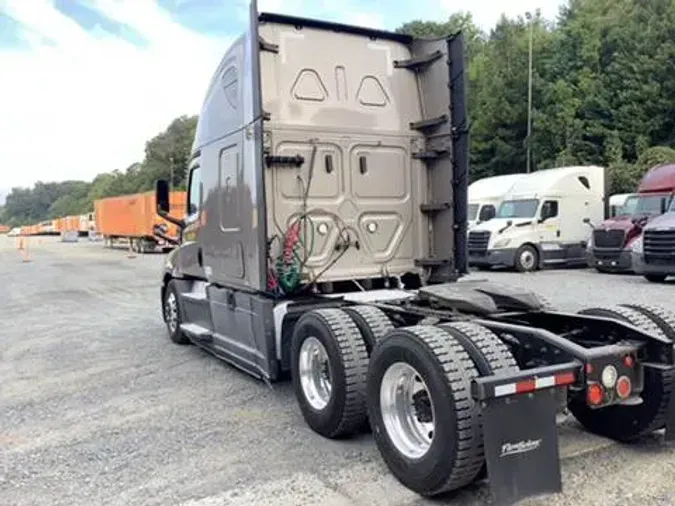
(586, 220)
(163, 206)
(162, 196)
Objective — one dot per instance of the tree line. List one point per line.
(603, 92)
(603, 87)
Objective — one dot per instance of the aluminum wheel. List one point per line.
(527, 260)
(407, 410)
(315, 374)
(171, 312)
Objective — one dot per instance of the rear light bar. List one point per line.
(522, 382)
(536, 383)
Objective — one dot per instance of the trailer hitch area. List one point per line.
(519, 430)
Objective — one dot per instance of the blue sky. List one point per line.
(86, 82)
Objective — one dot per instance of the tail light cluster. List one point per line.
(611, 381)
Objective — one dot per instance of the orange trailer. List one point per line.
(30, 230)
(133, 217)
(60, 225)
(70, 224)
(68, 228)
(4, 229)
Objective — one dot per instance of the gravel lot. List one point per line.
(98, 407)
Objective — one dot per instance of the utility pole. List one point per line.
(171, 169)
(528, 16)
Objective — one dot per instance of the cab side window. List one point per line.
(195, 192)
(487, 212)
(549, 209)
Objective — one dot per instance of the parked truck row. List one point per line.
(564, 216)
(131, 219)
(80, 224)
(325, 237)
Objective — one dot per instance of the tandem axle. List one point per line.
(446, 375)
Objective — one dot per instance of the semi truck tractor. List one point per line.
(542, 220)
(653, 253)
(485, 196)
(617, 203)
(610, 245)
(324, 238)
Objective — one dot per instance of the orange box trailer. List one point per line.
(134, 217)
(30, 230)
(69, 224)
(4, 229)
(60, 224)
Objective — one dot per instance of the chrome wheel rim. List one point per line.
(171, 312)
(315, 374)
(527, 260)
(407, 410)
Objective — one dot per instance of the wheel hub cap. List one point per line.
(171, 312)
(314, 372)
(527, 259)
(407, 410)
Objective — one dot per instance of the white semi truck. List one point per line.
(485, 196)
(543, 220)
(325, 237)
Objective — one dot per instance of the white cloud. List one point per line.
(88, 102)
(82, 102)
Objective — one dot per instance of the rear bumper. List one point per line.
(610, 260)
(493, 258)
(523, 460)
(642, 267)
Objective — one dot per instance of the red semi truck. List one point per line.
(609, 248)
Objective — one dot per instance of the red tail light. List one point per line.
(623, 387)
(595, 394)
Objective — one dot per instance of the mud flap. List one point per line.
(520, 433)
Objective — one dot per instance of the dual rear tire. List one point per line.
(628, 423)
(412, 384)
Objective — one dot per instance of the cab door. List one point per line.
(548, 222)
(190, 257)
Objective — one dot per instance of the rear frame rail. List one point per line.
(656, 348)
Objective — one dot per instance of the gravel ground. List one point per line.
(98, 407)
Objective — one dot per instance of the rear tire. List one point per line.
(662, 317)
(172, 314)
(329, 363)
(373, 323)
(629, 423)
(430, 439)
(527, 259)
(489, 354)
